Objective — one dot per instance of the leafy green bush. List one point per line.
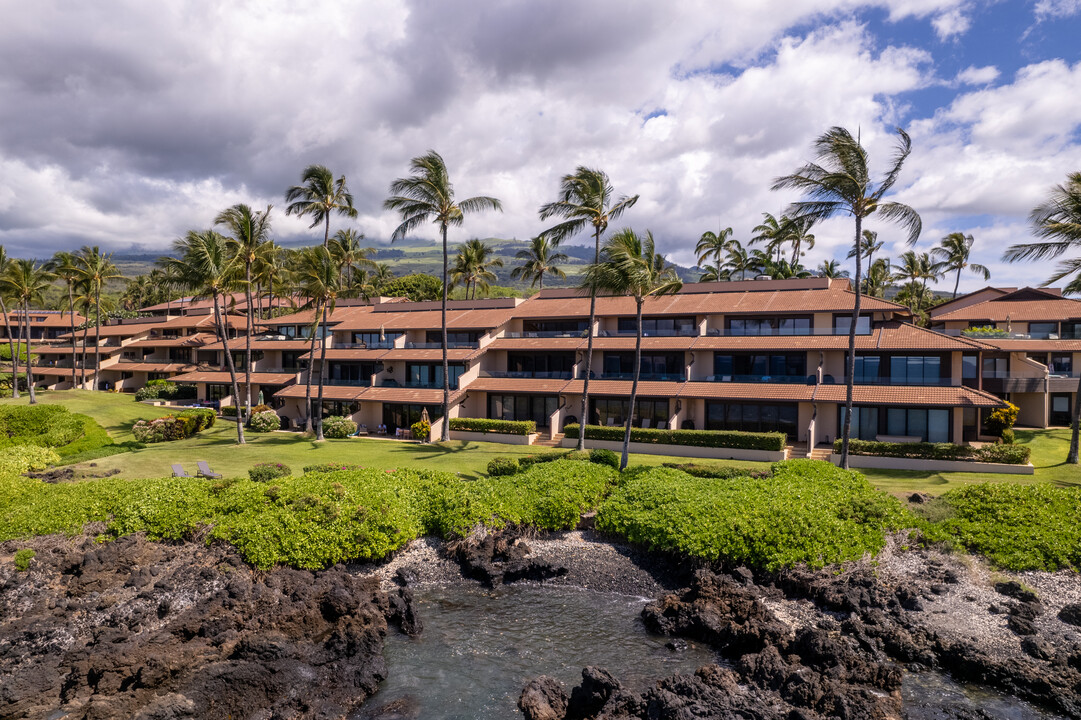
(265, 421)
(1001, 419)
(337, 426)
(165, 390)
(17, 459)
(42, 425)
(985, 331)
(696, 438)
(805, 512)
(93, 437)
(330, 467)
(1008, 454)
(265, 472)
(502, 466)
(528, 461)
(506, 427)
(604, 457)
(228, 411)
(422, 430)
(416, 287)
(23, 558)
(718, 473)
(182, 425)
(1018, 527)
(1008, 436)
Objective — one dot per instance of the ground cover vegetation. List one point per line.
(506, 427)
(178, 426)
(775, 441)
(1006, 453)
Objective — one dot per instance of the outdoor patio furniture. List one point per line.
(205, 471)
(179, 471)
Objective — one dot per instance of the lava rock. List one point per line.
(1014, 589)
(543, 699)
(1037, 648)
(1071, 614)
(587, 699)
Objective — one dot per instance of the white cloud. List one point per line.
(1049, 9)
(951, 24)
(973, 75)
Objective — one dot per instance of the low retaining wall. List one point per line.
(876, 462)
(687, 451)
(505, 438)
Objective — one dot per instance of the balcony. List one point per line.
(528, 374)
(785, 379)
(902, 382)
(547, 334)
(652, 333)
(651, 377)
(437, 346)
(351, 382)
(292, 370)
(1004, 335)
(381, 345)
(783, 332)
(418, 384)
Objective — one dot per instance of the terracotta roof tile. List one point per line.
(1042, 307)
(646, 388)
(196, 340)
(537, 343)
(648, 343)
(125, 330)
(330, 392)
(202, 376)
(238, 343)
(51, 318)
(66, 350)
(956, 396)
(747, 391)
(432, 396)
(153, 367)
(518, 385)
(1021, 345)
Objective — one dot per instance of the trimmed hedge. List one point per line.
(1006, 454)
(718, 473)
(265, 472)
(773, 441)
(507, 427)
(498, 466)
(174, 427)
(42, 425)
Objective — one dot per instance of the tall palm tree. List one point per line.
(206, 266)
(96, 268)
(84, 300)
(5, 264)
(878, 278)
(869, 245)
(319, 195)
(953, 252)
(799, 235)
(586, 198)
(349, 255)
(772, 232)
(715, 273)
(428, 196)
(473, 266)
(631, 266)
(249, 232)
(539, 259)
(916, 268)
(318, 275)
(26, 282)
(839, 183)
(272, 272)
(65, 266)
(784, 270)
(1056, 222)
(831, 269)
(737, 260)
(713, 245)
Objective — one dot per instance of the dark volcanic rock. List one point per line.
(1071, 614)
(543, 699)
(209, 638)
(1014, 589)
(497, 559)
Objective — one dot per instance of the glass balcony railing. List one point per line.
(781, 332)
(427, 385)
(652, 377)
(693, 332)
(895, 382)
(547, 334)
(526, 374)
(788, 379)
(436, 346)
(379, 345)
(351, 382)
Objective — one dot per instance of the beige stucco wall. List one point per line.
(1033, 410)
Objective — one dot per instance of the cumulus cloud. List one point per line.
(973, 75)
(1050, 9)
(951, 24)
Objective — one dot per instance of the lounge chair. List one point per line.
(205, 471)
(179, 471)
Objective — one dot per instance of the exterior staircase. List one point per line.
(801, 451)
(553, 443)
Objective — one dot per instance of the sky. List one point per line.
(125, 124)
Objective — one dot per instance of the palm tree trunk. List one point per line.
(850, 381)
(29, 365)
(957, 284)
(82, 362)
(308, 381)
(634, 385)
(589, 347)
(232, 369)
(74, 340)
(1075, 425)
(97, 355)
(322, 364)
(11, 349)
(444, 434)
(326, 231)
(250, 327)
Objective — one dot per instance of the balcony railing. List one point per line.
(782, 332)
(416, 384)
(651, 333)
(902, 382)
(787, 379)
(652, 377)
(278, 370)
(547, 334)
(528, 374)
(381, 345)
(436, 346)
(352, 382)
(1004, 335)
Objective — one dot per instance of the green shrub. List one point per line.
(265, 421)
(528, 461)
(506, 427)
(805, 512)
(422, 430)
(330, 467)
(1018, 527)
(718, 473)
(165, 390)
(183, 424)
(23, 558)
(576, 455)
(604, 457)
(502, 466)
(18, 459)
(1001, 419)
(337, 426)
(985, 331)
(228, 411)
(94, 437)
(265, 472)
(42, 425)
(1008, 436)
(696, 438)
(1008, 454)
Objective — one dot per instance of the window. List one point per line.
(759, 367)
(654, 365)
(768, 326)
(753, 417)
(868, 369)
(338, 407)
(995, 367)
(1042, 329)
(431, 374)
(659, 326)
(538, 408)
(403, 415)
(928, 424)
(969, 367)
(915, 369)
(351, 373)
(842, 324)
(1061, 364)
(1071, 330)
(571, 327)
(541, 364)
(216, 391)
(453, 338)
(613, 411)
(291, 361)
(374, 339)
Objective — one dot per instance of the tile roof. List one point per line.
(207, 321)
(648, 343)
(1024, 305)
(330, 392)
(747, 391)
(153, 367)
(66, 350)
(954, 396)
(518, 385)
(263, 378)
(431, 354)
(236, 343)
(646, 388)
(537, 343)
(428, 396)
(196, 340)
(51, 318)
(124, 330)
(348, 353)
(1023, 345)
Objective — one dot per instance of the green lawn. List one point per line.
(217, 446)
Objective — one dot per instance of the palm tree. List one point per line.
(631, 266)
(920, 269)
(349, 255)
(473, 266)
(585, 198)
(5, 264)
(869, 245)
(380, 276)
(84, 300)
(1057, 223)
(831, 269)
(319, 196)
(840, 183)
(318, 275)
(537, 260)
(26, 281)
(428, 195)
(736, 261)
(800, 236)
(713, 245)
(65, 266)
(878, 278)
(249, 231)
(952, 254)
(272, 272)
(715, 273)
(784, 270)
(206, 266)
(96, 269)
(771, 232)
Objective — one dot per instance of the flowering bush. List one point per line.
(18, 459)
(337, 426)
(422, 430)
(265, 472)
(1002, 419)
(173, 427)
(264, 421)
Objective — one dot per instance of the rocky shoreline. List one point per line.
(136, 629)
